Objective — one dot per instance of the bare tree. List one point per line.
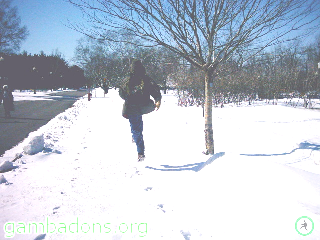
(204, 32)
(11, 33)
(107, 63)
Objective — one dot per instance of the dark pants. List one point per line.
(7, 109)
(136, 125)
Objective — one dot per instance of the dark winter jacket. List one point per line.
(137, 96)
(7, 99)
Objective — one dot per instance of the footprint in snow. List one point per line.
(186, 235)
(160, 206)
(148, 189)
(54, 210)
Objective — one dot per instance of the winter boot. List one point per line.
(141, 157)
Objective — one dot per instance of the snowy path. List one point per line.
(241, 193)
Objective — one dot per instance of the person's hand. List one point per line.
(158, 103)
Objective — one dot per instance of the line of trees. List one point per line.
(283, 71)
(107, 64)
(39, 71)
(274, 73)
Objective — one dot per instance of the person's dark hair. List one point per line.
(137, 68)
(137, 73)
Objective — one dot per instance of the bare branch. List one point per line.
(204, 32)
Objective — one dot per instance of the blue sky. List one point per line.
(45, 21)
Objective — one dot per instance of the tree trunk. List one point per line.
(208, 113)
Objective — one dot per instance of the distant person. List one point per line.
(136, 92)
(7, 99)
(105, 87)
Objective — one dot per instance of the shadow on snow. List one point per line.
(302, 146)
(196, 167)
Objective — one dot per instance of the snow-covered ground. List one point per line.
(28, 95)
(86, 183)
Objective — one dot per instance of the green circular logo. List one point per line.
(304, 225)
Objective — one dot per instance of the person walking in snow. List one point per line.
(7, 99)
(136, 92)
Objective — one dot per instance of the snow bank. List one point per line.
(48, 136)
